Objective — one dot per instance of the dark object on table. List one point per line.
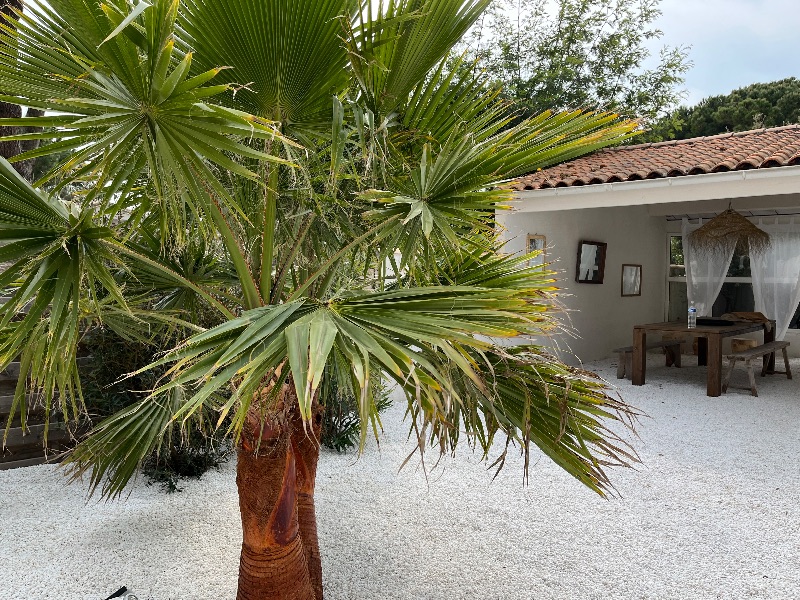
(714, 322)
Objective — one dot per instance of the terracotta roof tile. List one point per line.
(758, 149)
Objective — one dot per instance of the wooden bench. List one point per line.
(758, 352)
(672, 348)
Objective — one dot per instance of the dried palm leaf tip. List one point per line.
(716, 235)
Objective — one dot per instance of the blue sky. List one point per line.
(733, 42)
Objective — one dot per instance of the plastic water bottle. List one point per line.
(692, 316)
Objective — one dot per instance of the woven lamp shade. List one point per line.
(716, 234)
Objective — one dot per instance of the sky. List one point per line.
(733, 42)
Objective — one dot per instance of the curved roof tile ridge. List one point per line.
(740, 150)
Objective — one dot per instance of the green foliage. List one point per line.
(110, 359)
(579, 54)
(256, 196)
(676, 250)
(185, 451)
(341, 425)
(751, 107)
(185, 459)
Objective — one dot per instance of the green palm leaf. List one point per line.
(287, 54)
(126, 102)
(394, 45)
(453, 186)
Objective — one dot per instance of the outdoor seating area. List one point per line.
(711, 514)
(707, 340)
(709, 335)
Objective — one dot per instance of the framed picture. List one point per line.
(631, 280)
(536, 243)
(591, 262)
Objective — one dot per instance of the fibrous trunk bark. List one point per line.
(276, 472)
(11, 148)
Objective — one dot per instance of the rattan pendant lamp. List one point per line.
(729, 225)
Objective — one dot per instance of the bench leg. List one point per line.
(769, 359)
(621, 365)
(753, 390)
(786, 363)
(629, 365)
(728, 375)
(676, 351)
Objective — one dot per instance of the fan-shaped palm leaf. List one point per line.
(287, 55)
(393, 45)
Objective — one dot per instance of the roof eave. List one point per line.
(712, 186)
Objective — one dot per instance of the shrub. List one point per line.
(340, 421)
(188, 450)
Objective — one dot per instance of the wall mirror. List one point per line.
(536, 243)
(631, 280)
(591, 262)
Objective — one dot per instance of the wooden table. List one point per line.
(709, 347)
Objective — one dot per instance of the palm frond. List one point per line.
(55, 253)
(394, 45)
(115, 449)
(124, 107)
(287, 55)
(455, 187)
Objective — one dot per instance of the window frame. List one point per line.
(670, 278)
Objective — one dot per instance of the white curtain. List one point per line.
(705, 271)
(776, 275)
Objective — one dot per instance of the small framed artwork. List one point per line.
(591, 262)
(536, 243)
(631, 280)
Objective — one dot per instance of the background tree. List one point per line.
(309, 172)
(751, 107)
(9, 148)
(572, 54)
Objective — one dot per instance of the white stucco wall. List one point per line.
(601, 317)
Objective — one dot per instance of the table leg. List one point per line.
(769, 359)
(714, 356)
(639, 356)
(702, 351)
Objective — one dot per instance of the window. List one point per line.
(677, 304)
(736, 294)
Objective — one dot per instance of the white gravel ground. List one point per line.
(713, 513)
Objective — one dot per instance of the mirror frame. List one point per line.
(540, 260)
(622, 282)
(601, 261)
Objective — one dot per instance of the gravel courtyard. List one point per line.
(714, 512)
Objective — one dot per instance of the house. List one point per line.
(636, 200)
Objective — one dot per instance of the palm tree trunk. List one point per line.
(275, 475)
(305, 445)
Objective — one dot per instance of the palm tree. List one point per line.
(337, 185)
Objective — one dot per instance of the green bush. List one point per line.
(185, 458)
(340, 420)
(188, 450)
